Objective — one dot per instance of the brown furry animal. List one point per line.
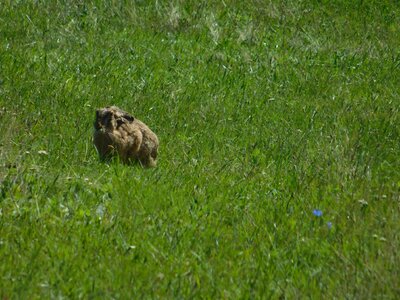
(119, 133)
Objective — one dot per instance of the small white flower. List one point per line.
(43, 152)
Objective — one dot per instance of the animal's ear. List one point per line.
(97, 121)
(128, 117)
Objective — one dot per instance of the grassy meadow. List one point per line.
(279, 165)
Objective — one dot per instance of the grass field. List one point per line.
(279, 164)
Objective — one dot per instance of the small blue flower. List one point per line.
(329, 225)
(317, 212)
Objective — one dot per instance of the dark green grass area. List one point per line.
(266, 111)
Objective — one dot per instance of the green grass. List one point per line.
(266, 110)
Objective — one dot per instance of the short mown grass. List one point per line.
(268, 112)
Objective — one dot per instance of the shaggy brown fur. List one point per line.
(119, 133)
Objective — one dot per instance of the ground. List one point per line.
(278, 170)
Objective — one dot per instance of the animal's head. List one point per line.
(111, 117)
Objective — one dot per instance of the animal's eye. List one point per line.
(106, 118)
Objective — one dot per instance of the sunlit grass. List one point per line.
(278, 173)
